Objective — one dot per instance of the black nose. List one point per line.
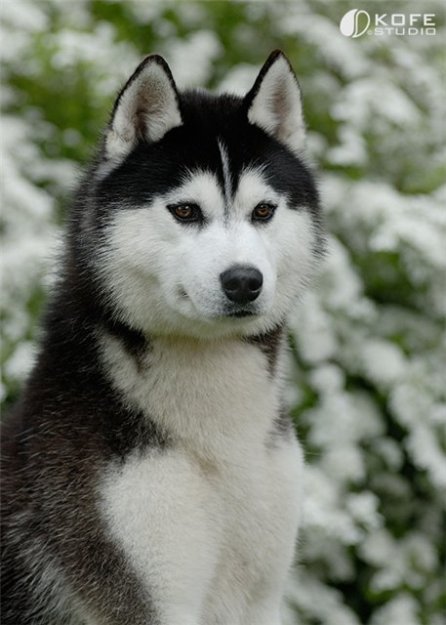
(241, 284)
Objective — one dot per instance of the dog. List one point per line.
(151, 474)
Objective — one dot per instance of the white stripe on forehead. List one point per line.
(226, 171)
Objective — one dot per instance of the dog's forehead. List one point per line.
(220, 192)
(216, 163)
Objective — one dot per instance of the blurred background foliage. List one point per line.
(367, 389)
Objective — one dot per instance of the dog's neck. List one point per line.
(206, 394)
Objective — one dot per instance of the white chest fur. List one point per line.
(209, 524)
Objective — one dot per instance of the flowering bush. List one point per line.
(367, 388)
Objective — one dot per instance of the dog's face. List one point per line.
(207, 217)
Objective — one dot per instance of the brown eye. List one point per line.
(263, 212)
(186, 213)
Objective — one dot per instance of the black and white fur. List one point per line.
(151, 474)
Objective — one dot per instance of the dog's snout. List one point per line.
(241, 284)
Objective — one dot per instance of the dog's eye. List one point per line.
(186, 213)
(263, 212)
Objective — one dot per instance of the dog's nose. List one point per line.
(241, 284)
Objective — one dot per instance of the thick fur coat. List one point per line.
(151, 475)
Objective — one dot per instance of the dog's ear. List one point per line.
(274, 102)
(146, 108)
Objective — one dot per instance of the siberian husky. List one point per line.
(151, 473)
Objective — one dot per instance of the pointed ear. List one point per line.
(146, 108)
(274, 103)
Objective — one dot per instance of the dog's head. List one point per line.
(204, 217)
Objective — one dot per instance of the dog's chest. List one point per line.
(260, 503)
(205, 538)
(209, 522)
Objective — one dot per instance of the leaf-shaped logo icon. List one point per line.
(355, 23)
